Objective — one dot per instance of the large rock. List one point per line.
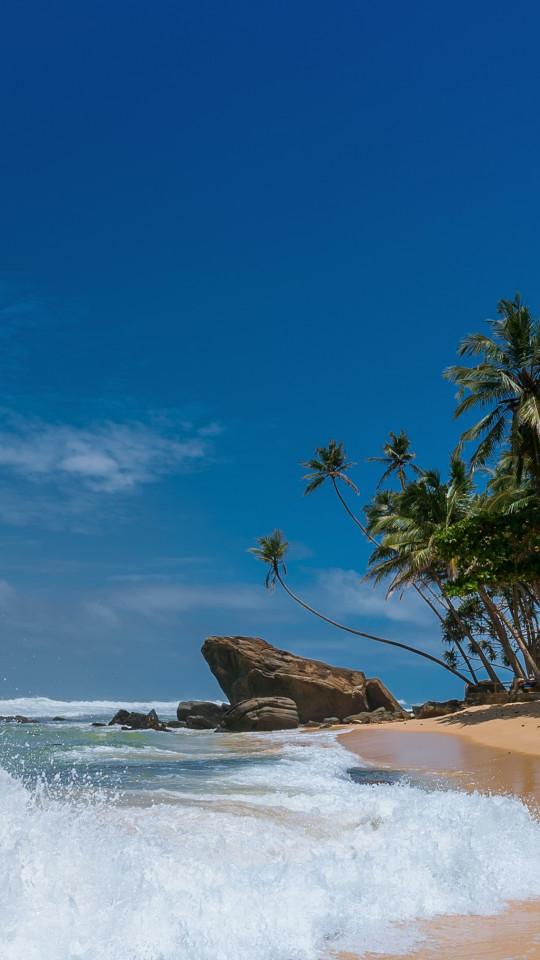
(247, 668)
(262, 713)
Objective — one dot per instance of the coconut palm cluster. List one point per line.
(467, 543)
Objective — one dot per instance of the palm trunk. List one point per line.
(367, 534)
(468, 633)
(527, 656)
(370, 636)
(493, 613)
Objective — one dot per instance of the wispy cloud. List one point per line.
(166, 599)
(106, 457)
(342, 594)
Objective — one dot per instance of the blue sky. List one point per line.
(231, 231)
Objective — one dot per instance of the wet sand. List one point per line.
(490, 749)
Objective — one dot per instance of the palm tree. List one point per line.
(272, 551)
(506, 382)
(330, 463)
(409, 522)
(396, 459)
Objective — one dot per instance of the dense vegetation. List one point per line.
(468, 544)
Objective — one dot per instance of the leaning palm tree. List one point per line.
(397, 458)
(330, 463)
(506, 383)
(409, 554)
(272, 551)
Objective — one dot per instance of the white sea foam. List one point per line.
(283, 859)
(74, 709)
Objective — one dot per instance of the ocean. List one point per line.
(194, 845)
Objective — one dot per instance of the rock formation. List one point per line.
(248, 668)
(130, 720)
(380, 715)
(262, 713)
(201, 714)
(437, 708)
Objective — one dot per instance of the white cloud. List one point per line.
(106, 457)
(342, 593)
(180, 598)
(7, 593)
(101, 612)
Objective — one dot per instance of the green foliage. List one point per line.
(397, 457)
(506, 383)
(492, 549)
(272, 550)
(408, 521)
(329, 463)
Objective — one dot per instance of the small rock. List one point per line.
(138, 721)
(200, 723)
(436, 708)
(201, 708)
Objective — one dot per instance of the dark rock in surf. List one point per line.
(18, 719)
(200, 723)
(137, 721)
(187, 710)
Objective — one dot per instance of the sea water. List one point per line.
(190, 845)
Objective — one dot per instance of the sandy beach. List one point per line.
(493, 749)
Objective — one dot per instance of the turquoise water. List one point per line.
(196, 845)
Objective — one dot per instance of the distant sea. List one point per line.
(193, 845)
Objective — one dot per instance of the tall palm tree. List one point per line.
(397, 458)
(272, 551)
(330, 463)
(408, 522)
(506, 382)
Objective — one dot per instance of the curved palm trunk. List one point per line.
(483, 658)
(371, 636)
(493, 613)
(457, 643)
(468, 633)
(527, 656)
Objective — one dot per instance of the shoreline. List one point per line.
(492, 749)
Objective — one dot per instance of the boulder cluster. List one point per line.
(271, 689)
